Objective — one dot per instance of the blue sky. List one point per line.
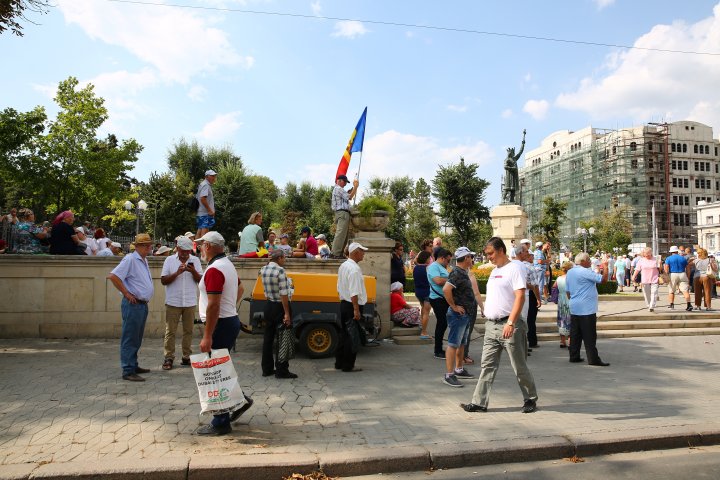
(285, 92)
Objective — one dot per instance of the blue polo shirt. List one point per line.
(436, 270)
(134, 272)
(581, 284)
(676, 263)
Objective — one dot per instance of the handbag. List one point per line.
(554, 293)
(217, 382)
(285, 344)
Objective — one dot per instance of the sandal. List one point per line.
(167, 364)
(468, 361)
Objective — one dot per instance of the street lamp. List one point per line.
(141, 207)
(585, 232)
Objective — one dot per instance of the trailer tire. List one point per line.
(319, 340)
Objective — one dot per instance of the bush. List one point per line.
(369, 205)
(608, 287)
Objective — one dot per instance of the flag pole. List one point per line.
(357, 177)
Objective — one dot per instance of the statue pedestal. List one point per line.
(377, 264)
(509, 222)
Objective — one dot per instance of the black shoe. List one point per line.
(671, 305)
(142, 370)
(577, 360)
(133, 377)
(267, 374)
(440, 356)
(529, 349)
(352, 369)
(285, 375)
(689, 308)
(562, 345)
(185, 361)
(211, 429)
(236, 414)
(529, 406)
(599, 363)
(472, 408)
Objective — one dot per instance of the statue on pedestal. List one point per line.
(511, 181)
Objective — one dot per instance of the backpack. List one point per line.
(193, 203)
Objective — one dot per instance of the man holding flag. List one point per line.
(340, 202)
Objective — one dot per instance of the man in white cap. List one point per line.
(180, 275)
(340, 204)
(220, 288)
(114, 250)
(351, 289)
(678, 268)
(205, 216)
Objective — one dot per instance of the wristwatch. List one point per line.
(511, 324)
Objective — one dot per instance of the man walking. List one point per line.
(132, 278)
(278, 292)
(540, 263)
(205, 216)
(460, 298)
(437, 275)
(678, 268)
(340, 204)
(353, 296)
(220, 288)
(581, 286)
(504, 329)
(180, 275)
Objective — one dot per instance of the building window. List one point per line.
(707, 166)
(695, 148)
(651, 164)
(685, 164)
(614, 150)
(686, 183)
(649, 146)
(697, 183)
(696, 166)
(673, 165)
(687, 200)
(633, 146)
(707, 150)
(675, 200)
(651, 180)
(687, 219)
(709, 220)
(684, 147)
(673, 147)
(675, 182)
(634, 163)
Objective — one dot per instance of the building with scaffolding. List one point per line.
(671, 165)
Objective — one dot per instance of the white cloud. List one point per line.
(392, 153)
(644, 84)
(536, 108)
(316, 8)
(603, 3)
(457, 108)
(507, 113)
(221, 127)
(197, 93)
(349, 29)
(178, 43)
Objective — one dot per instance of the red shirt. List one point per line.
(397, 302)
(214, 281)
(311, 245)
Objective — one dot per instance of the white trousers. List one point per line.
(650, 290)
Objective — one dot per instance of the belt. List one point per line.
(499, 320)
(342, 210)
(142, 302)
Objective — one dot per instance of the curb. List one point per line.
(370, 460)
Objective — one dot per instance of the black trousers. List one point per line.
(532, 319)
(344, 356)
(440, 308)
(583, 328)
(274, 313)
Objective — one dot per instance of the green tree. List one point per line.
(190, 159)
(398, 191)
(421, 220)
(12, 11)
(551, 219)
(236, 196)
(461, 194)
(612, 228)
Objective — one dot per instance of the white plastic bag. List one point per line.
(217, 382)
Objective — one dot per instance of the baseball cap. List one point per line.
(213, 237)
(354, 246)
(284, 235)
(184, 243)
(189, 234)
(305, 229)
(342, 177)
(116, 245)
(463, 252)
(162, 250)
(538, 244)
(673, 249)
(525, 240)
(210, 172)
(321, 237)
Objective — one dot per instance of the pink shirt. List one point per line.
(648, 270)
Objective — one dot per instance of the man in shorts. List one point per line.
(205, 216)
(678, 268)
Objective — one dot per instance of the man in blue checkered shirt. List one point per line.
(340, 204)
(278, 291)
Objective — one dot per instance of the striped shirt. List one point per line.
(340, 199)
(275, 282)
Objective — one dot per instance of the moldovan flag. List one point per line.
(354, 145)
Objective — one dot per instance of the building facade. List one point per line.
(708, 225)
(671, 165)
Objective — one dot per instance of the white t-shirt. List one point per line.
(182, 292)
(501, 287)
(351, 282)
(103, 243)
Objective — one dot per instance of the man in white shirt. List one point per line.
(180, 274)
(205, 215)
(351, 289)
(504, 329)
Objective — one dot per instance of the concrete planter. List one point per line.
(377, 222)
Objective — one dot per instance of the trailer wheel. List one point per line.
(319, 340)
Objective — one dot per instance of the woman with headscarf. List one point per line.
(400, 312)
(63, 238)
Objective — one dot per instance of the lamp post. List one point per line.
(141, 207)
(585, 232)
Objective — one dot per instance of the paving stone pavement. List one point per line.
(64, 400)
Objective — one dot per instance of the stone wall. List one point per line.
(71, 297)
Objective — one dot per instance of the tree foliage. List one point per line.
(13, 11)
(421, 221)
(551, 219)
(613, 229)
(398, 191)
(461, 195)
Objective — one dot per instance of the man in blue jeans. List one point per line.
(132, 278)
(460, 298)
(437, 275)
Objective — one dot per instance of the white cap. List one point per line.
(463, 252)
(354, 246)
(210, 173)
(190, 234)
(162, 250)
(212, 237)
(538, 244)
(395, 286)
(116, 245)
(673, 249)
(184, 243)
(525, 240)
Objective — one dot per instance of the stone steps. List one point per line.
(637, 333)
(408, 336)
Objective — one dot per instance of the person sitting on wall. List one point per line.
(311, 245)
(251, 236)
(300, 251)
(401, 313)
(284, 246)
(323, 248)
(63, 239)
